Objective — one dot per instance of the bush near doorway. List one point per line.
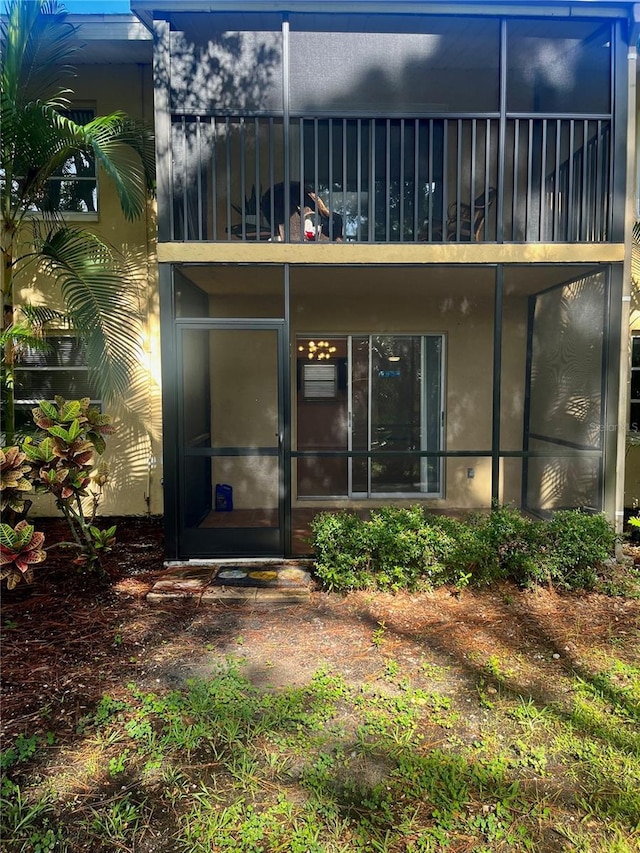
(408, 548)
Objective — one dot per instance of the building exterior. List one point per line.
(394, 260)
(114, 72)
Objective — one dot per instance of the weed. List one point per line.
(116, 820)
(378, 635)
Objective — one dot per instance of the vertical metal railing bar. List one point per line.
(570, 204)
(458, 180)
(516, 169)
(256, 178)
(430, 182)
(345, 177)
(172, 183)
(387, 192)
(316, 172)
(401, 200)
(214, 176)
(487, 175)
(543, 181)
(372, 180)
(359, 179)
(243, 179)
(608, 211)
(316, 161)
(199, 174)
(445, 176)
(330, 176)
(474, 152)
(557, 194)
(228, 173)
(300, 177)
(502, 136)
(529, 204)
(185, 172)
(286, 124)
(416, 176)
(599, 191)
(271, 178)
(585, 138)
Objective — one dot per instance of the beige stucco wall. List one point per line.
(134, 453)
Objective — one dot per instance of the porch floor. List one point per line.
(301, 519)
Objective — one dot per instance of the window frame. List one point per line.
(25, 403)
(76, 215)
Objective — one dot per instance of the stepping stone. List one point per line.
(250, 582)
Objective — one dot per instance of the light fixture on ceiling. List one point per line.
(322, 350)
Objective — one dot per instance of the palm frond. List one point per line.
(125, 150)
(101, 303)
(39, 316)
(38, 45)
(21, 336)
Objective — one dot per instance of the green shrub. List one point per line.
(578, 543)
(399, 548)
(342, 555)
(407, 551)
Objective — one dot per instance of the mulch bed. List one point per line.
(69, 638)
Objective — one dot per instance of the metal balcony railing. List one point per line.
(393, 180)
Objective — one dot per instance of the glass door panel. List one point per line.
(360, 414)
(322, 394)
(380, 396)
(232, 489)
(396, 384)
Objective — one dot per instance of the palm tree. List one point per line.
(38, 141)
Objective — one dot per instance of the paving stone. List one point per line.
(244, 582)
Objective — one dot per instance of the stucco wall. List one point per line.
(134, 453)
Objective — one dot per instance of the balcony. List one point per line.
(526, 178)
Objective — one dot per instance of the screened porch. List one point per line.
(453, 387)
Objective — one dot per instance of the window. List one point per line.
(74, 187)
(634, 418)
(383, 403)
(60, 370)
(320, 381)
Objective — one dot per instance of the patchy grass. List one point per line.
(465, 720)
(396, 763)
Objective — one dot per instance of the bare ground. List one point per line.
(69, 639)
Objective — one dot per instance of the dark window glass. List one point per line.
(61, 369)
(74, 187)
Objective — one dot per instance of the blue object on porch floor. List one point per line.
(224, 497)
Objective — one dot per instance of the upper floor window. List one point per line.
(73, 188)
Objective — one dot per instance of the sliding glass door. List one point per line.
(372, 408)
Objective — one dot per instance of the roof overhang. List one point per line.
(112, 40)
